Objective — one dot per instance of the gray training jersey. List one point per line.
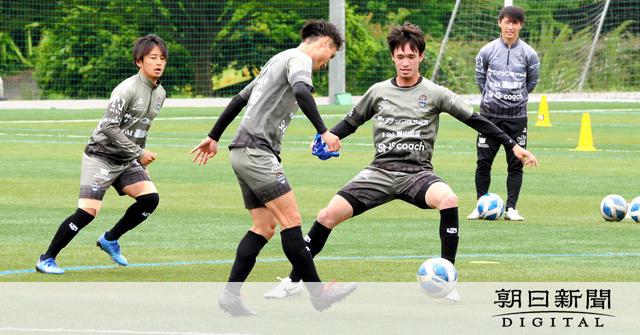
(121, 134)
(505, 76)
(405, 121)
(272, 105)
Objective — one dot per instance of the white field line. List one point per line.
(189, 118)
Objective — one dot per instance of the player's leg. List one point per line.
(440, 196)
(368, 189)
(337, 211)
(433, 192)
(68, 229)
(285, 209)
(486, 150)
(517, 129)
(134, 182)
(263, 183)
(95, 179)
(250, 245)
(147, 199)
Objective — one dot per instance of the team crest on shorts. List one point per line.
(522, 140)
(280, 178)
(422, 101)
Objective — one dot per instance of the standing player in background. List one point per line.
(506, 72)
(116, 156)
(405, 110)
(284, 84)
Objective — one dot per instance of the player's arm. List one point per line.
(533, 70)
(362, 112)
(302, 93)
(488, 129)
(449, 102)
(110, 126)
(482, 65)
(343, 129)
(232, 110)
(208, 147)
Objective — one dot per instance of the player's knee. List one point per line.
(448, 201)
(92, 211)
(148, 202)
(292, 220)
(326, 219)
(483, 165)
(264, 231)
(515, 167)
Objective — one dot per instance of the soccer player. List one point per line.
(284, 84)
(506, 72)
(116, 156)
(405, 112)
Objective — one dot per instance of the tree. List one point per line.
(195, 25)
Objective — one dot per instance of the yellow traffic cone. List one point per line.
(543, 113)
(585, 141)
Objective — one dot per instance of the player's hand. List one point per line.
(205, 150)
(524, 155)
(321, 150)
(147, 157)
(332, 141)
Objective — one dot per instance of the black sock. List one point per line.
(300, 257)
(248, 249)
(315, 240)
(68, 229)
(135, 214)
(449, 234)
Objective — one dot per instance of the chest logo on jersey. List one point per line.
(422, 101)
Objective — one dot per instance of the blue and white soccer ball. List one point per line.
(437, 277)
(634, 209)
(613, 207)
(490, 206)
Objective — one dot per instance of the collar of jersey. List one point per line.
(507, 45)
(395, 83)
(146, 80)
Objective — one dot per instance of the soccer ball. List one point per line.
(490, 206)
(437, 277)
(634, 209)
(613, 207)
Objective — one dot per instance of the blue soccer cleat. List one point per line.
(321, 149)
(112, 248)
(48, 266)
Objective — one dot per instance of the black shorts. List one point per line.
(373, 187)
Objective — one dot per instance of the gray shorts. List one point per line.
(260, 175)
(373, 187)
(97, 175)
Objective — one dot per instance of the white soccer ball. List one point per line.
(437, 277)
(490, 206)
(634, 209)
(613, 207)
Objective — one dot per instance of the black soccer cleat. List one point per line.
(233, 304)
(330, 294)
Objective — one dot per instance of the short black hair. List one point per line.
(407, 33)
(319, 28)
(512, 12)
(144, 45)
